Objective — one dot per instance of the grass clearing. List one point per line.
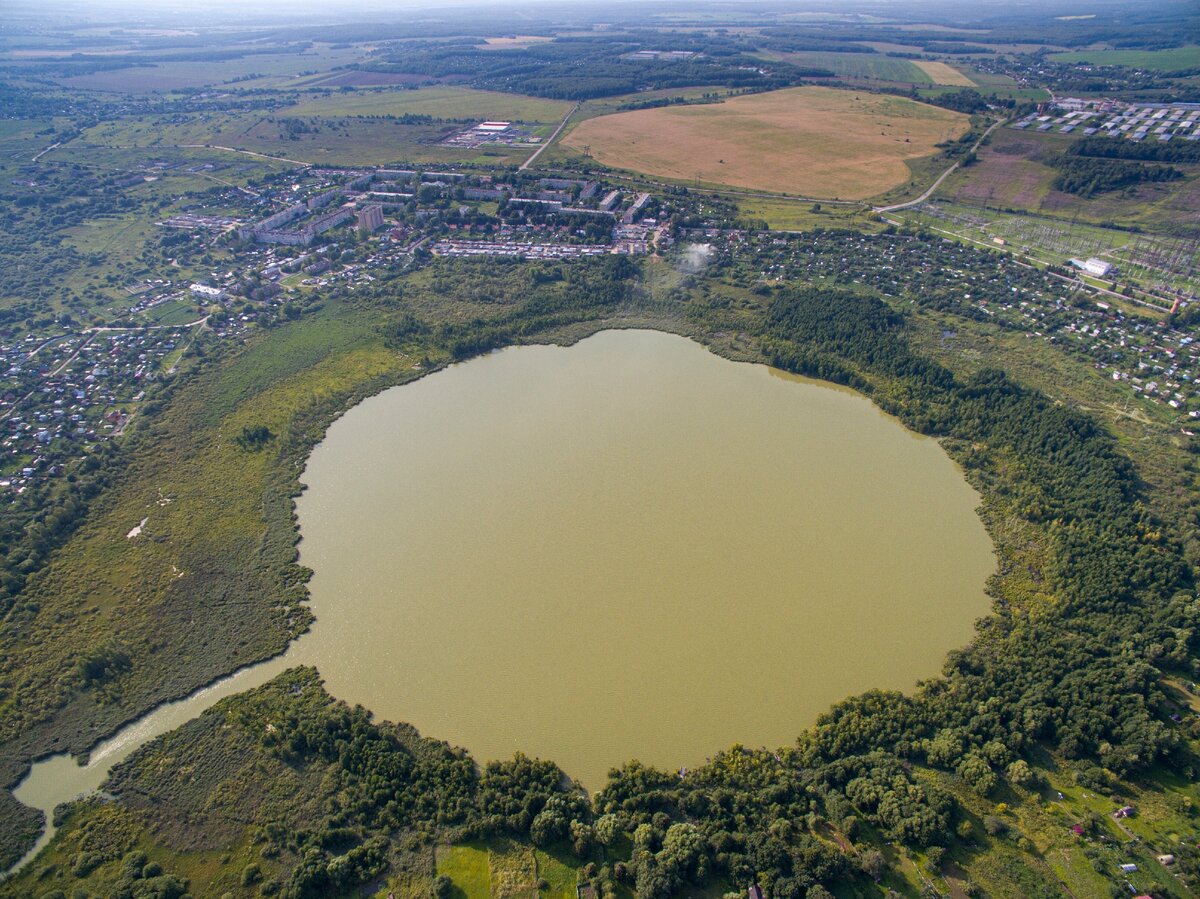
(505, 869)
(1178, 59)
(352, 128)
(811, 141)
(782, 214)
(467, 867)
(559, 875)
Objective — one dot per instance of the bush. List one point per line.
(85, 863)
(442, 887)
(997, 827)
(251, 874)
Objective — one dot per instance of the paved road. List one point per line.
(946, 174)
(557, 131)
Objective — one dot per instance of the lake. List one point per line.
(630, 548)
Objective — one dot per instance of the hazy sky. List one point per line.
(183, 13)
(94, 9)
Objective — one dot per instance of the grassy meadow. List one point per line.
(810, 141)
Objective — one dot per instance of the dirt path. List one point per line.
(946, 174)
(247, 152)
(45, 151)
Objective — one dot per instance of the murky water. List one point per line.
(629, 548)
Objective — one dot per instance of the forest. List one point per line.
(581, 68)
(1143, 151)
(1086, 176)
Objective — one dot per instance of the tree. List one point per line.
(873, 864)
(976, 772)
(1019, 774)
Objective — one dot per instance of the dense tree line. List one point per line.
(585, 68)
(966, 100)
(1086, 176)
(1144, 151)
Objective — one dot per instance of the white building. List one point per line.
(208, 293)
(1096, 267)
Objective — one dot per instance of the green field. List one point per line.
(867, 66)
(172, 312)
(1175, 60)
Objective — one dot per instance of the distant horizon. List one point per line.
(307, 12)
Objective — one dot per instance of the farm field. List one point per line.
(870, 66)
(1003, 86)
(1174, 60)
(943, 73)
(811, 141)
